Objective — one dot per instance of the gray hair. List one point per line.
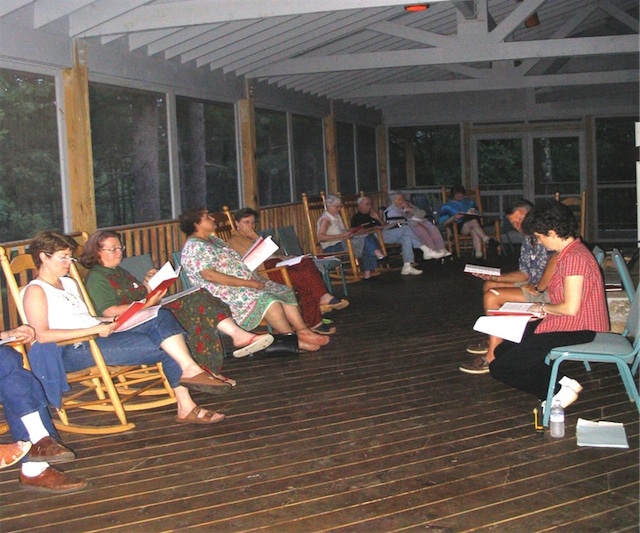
(394, 194)
(332, 199)
(362, 199)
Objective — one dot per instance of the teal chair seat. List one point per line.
(620, 349)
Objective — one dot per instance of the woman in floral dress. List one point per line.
(211, 264)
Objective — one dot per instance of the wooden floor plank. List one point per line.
(379, 431)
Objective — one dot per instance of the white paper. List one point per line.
(166, 272)
(601, 434)
(7, 340)
(142, 316)
(168, 299)
(481, 269)
(507, 327)
(261, 250)
(515, 308)
(291, 261)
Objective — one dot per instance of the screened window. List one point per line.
(616, 157)
(500, 163)
(367, 162)
(425, 156)
(556, 165)
(208, 154)
(308, 155)
(346, 158)
(30, 192)
(128, 133)
(273, 157)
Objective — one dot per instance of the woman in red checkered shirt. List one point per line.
(578, 308)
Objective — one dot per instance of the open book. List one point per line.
(136, 313)
(261, 250)
(481, 269)
(515, 308)
(467, 215)
(361, 227)
(601, 434)
(507, 327)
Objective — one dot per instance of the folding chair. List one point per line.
(619, 349)
(625, 275)
(599, 254)
(290, 243)
(98, 388)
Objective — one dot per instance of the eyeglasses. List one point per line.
(114, 249)
(63, 259)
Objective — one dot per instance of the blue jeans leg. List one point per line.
(21, 394)
(407, 239)
(368, 259)
(126, 348)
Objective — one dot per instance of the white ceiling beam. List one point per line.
(8, 6)
(528, 82)
(195, 12)
(470, 51)
(515, 18)
(619, 15)
(182, 40)
(143, 38)
(99, 13)
(46, 12)
(411, 34)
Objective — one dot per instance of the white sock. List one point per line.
(486, 239)
(33, 469)
(33, 423)
(407, 265)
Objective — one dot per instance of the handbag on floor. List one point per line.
(283, 344)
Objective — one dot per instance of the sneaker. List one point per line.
(445, 253)
(477, 366)
(479, 348)
(431, 255)
(408, 270)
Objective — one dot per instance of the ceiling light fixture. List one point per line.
(532, 20)
(413, 8)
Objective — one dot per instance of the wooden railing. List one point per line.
(162, 238)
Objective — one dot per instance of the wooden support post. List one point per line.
(381, 151)
(331, 152)
(248, 143)
(76, 100)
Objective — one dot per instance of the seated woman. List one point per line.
(404, 212)
(457, 210)
(113, 289)
(210, 263)
(55, 309)
(332, 233)
(578, 308)
(305, 277)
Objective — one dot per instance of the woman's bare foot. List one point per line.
(309, 336)
(307, 346)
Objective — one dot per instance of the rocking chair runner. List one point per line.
(100, 387)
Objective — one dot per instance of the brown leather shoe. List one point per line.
(50, 451)
(52, 480)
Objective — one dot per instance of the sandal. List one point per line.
(224, 379)
(205, 382)
(256, 344)
(209, 417)
(325, 327)
(10, 454)
(333, 304)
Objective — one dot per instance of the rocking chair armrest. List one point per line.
(76, 340)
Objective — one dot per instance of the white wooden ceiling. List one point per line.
(368, 52)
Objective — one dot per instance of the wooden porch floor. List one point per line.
(377, 432)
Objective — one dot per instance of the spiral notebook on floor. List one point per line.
(601, 434)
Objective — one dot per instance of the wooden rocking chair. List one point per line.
(578, 205)
(456, 241)
(100, 387)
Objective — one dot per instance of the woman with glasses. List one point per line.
(55, 309)
(112, 289)
(211, 264)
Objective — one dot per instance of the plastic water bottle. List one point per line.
(556, 420)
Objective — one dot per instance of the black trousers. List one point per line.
(522, 365)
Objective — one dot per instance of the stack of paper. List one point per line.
(601, 434)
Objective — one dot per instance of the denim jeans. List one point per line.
(140, 345)
(21, 394)
(407, 239)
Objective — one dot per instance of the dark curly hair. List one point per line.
(50, 242)
(551, 216)
(91, 255)
(190, 218)
(456, 189)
